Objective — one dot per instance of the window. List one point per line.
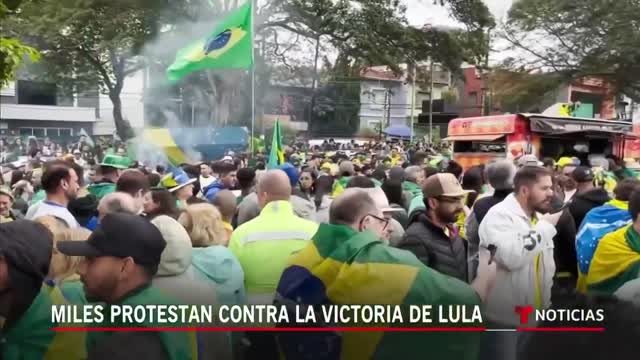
(66, 133)
(36, 93)
(43, 132)
(473, 97)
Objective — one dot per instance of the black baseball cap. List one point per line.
(120, 235)
(582, 174)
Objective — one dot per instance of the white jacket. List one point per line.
(518, 242)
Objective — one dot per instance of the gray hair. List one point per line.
(412, 172)
(500, 174)
(117, 202)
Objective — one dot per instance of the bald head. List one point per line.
(350, 206)
(117, 202)
(274, 185)
(225, 201)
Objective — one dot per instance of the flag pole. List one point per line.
(253, 79)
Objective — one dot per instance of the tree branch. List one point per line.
(106, 79)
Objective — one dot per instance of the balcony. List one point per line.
(47, 113)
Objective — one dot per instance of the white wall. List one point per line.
(132, 106)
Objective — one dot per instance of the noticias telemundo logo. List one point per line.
(578, 319)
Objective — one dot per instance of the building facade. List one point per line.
(32, 108)
(385, 98)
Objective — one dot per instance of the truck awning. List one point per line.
(477, 137)
(559, 125)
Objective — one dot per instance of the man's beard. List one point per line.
(101, 294)
(543, 207)
(445, 217)
(71, 195)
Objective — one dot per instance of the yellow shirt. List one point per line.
(536, 280)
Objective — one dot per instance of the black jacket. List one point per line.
(435, 249)
(583, 202)
(564, 243)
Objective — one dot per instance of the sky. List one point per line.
(420, 12)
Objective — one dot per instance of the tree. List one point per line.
(93, 42)
(12, 50)
(520, 91)
(578, 39)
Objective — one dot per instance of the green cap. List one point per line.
(116, 161)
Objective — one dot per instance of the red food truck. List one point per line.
(478, 140)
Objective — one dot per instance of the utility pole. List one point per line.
(431, 103)
(386, 110)
(193, 114)
(413, 98)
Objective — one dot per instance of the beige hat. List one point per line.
(380, 198)
(443, 184)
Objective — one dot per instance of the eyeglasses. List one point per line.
(384, 221)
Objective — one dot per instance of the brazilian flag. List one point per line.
(229, 46)
(343, 267)
(276, 156)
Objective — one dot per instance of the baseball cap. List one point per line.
(529, 160)
(120, 235)
(582, 174)
(443, 184)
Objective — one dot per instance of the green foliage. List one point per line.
(12, 51)
(12, 55)
(90, 42)
(579, 38)
(515, 91)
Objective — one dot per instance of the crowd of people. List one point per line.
(355, 224)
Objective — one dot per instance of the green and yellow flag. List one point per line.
(340, 266)
(276, 156)
(615, 262)
(229, 46)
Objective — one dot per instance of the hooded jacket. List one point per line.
(524, 255)
(212, 190)
(175, 275)
(583, 202)
(217, 264)
(472, 223)
(177, 279)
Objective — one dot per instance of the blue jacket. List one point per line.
(218, 264)
(211, 190)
